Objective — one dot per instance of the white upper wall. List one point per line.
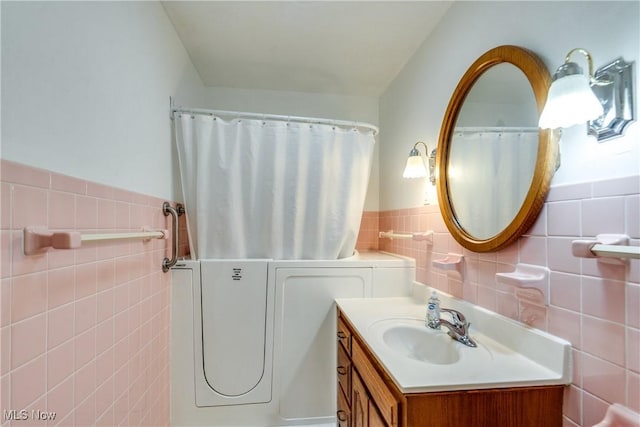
(413, 106)
(86, 87)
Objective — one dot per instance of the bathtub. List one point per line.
(253, 341)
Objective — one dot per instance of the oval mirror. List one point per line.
(494, 164)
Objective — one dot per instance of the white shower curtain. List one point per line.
(498, 166)
(272, 189)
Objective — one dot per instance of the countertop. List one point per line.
(509, 354)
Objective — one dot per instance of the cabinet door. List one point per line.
(364, 413)
(380, 394)
(359, 402)
(375, 419)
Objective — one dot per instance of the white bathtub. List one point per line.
(281, 328)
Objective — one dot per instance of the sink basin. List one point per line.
(420, 343)
(410, 338)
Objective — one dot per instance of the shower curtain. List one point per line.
(272, 189)
(497, 172)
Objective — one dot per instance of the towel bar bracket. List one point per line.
(607, 248)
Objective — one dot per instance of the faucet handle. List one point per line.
(458, 318)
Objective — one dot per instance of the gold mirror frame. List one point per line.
(539, 78)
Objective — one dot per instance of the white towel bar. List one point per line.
(391, 235)
(426, 235)
(632, 252)
(142, 235)
(38, 239)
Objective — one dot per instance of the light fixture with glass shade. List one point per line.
(604, 98)
(415, 167)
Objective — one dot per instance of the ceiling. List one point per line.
(339, 47)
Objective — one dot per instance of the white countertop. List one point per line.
(509, 354)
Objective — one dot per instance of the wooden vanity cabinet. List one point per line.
(368, 397)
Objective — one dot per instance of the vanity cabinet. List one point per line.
(361, 405)
(368, 397)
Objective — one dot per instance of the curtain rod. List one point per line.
(495, 129)
(260, 116)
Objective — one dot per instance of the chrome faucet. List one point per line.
(458, 327)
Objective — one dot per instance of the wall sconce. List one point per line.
(415, 165)
(604, 98)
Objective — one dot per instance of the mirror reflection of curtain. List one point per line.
(272, 189)
(498, 168)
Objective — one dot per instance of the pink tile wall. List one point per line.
(85, 332)
(595, 306)
(368, 236)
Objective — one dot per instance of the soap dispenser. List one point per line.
(433, 311)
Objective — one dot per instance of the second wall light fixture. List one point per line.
(604, 98)
(415, 167)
